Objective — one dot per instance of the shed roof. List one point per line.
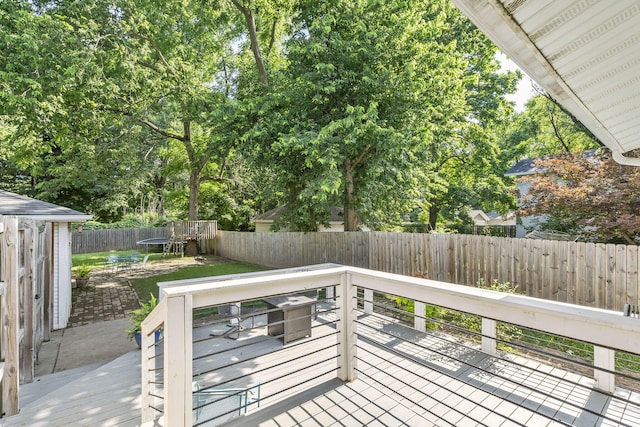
(15, 204)
(583, 53)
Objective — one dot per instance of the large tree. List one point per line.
(367, 83)
(90, 74)
(466, 158)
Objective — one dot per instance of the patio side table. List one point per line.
(293, 319)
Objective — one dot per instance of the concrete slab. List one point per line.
(84, 345)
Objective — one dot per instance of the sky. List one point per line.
(525, 88)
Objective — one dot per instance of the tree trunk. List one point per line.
(194, 189)
(433, 215)
(194, 176)
(351, 220)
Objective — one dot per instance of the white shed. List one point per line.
(57, 219)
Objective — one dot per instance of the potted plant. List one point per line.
(137, 317)
(82, 276)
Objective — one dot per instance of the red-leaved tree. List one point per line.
(590, 194)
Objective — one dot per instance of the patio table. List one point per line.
(293, 319)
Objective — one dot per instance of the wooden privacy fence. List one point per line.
(596, 275)
(117, 239)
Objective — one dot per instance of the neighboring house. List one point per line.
(265, 221)
(57, 220)
(480, 217)
(522, 169)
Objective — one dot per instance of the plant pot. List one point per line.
(138, 336)
(81, 283)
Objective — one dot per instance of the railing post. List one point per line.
(606, 359)
(178, 356)
(419, 311)
(488, 336)
(346, 325)
(368, 301)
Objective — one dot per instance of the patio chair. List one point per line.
(141, 264)
(111, 263)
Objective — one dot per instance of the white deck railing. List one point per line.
(607, 331)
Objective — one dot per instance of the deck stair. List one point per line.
(97, 395)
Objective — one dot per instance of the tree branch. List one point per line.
(158, 52)
(272, 37)
(360, 157)
(556, 131)
(253, 36)
(162, 132)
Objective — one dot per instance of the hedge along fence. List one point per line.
(118, 239)
(596, 275)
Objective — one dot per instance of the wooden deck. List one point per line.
(400, 383)
(107, 395)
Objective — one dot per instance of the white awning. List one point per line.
(584, 53)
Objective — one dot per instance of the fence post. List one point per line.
(178, 358)
(346, 326)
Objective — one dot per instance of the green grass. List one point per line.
(148, 285)
(95, 259)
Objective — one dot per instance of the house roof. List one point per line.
(478, 212)
(528, 166)
(14, 204)
(583, 53)
(524, 167)
(337, 215)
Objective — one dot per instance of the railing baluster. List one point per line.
(606, 359)
(368, 301)
(419, 321)
(488, 336)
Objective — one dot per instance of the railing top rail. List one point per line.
(237, 287)
(601, 327)
(156, 318)
(597, 326)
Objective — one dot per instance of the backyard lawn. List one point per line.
(145, 286)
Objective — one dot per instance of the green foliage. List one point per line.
(119, 107)
(129, 221)
(366, 84)
(543, 129)
(587, 193)
(138, 316)
(82, 271)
